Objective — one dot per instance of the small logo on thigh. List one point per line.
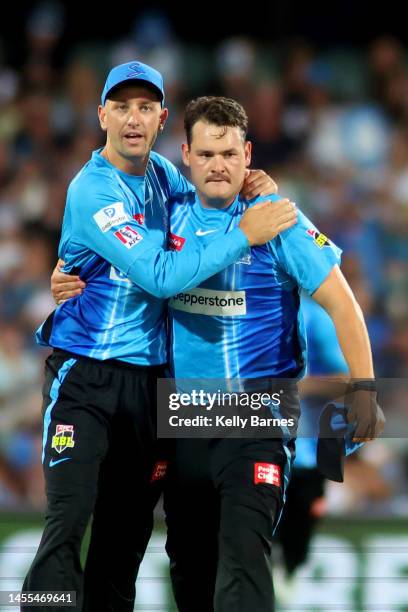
(267, 473)
(63, 438)
(159, 471)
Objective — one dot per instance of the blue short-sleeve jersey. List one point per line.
(115, 235)
(245, 321)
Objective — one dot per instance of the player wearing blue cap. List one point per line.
(100, 453)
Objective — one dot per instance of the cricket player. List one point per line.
(100, 454)
(224, 496)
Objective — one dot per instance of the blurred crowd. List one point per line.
(330, 126)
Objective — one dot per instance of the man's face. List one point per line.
(217, 158)
(131, 117)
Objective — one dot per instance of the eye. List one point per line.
(205, 155)
(145, 108)
(122, 107)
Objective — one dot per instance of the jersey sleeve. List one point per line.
(177, 183)
(104, 224)
(306, 254)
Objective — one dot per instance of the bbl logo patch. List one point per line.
(319, 239)
(64, 438)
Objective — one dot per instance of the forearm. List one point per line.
(166, 273)
(353, 337)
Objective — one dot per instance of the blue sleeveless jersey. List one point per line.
(245, 322)
(115, 235)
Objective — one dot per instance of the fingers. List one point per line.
(63, 296)
(283, 217)
(286, 214)
(258, 188)
(254, 187)
(287, 224)
(261, 205)
(257, 182)
(59, 277)
(280, 216)
(370, 427)
(279, 207)
(68, 287)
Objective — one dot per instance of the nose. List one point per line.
(217, 164)
(133, 117)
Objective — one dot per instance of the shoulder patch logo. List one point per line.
(109, 216)
(319, 239)
(128, 236)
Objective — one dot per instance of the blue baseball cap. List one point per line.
(133, 71)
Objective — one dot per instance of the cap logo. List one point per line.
(136, 70)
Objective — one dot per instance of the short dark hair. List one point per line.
(216, 110)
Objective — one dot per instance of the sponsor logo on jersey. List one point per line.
(210, 302)
(159, 471)
(63, 438)
(139, 218)
(201, 232)
(116, 275)
(267, 473)
(109, 216)
(176, 243)
(319, 239)
(128, 236)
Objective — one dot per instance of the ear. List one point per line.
(185, 152)
(102, 117)
(163, 118)
(248, 153)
